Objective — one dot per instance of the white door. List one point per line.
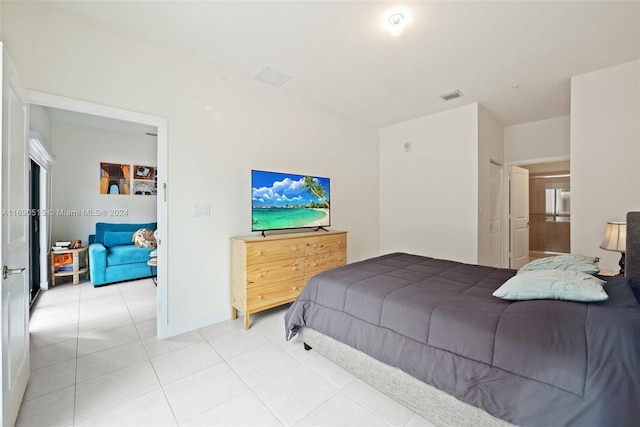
(495, 215)
(519, 216)
(14, 250)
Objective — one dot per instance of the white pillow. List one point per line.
(564, 262)
(553, 284)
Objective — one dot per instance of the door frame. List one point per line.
(506, 229)
(162, 124)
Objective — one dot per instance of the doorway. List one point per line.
(549, 209)
(34, 231)
(161, 124)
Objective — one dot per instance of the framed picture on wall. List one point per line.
(144, 180)
(115, 178)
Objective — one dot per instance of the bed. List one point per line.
(431, 334)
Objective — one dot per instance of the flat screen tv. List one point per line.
(282, 201)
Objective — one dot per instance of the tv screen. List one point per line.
(284, 200)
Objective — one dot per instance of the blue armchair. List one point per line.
(113, 256)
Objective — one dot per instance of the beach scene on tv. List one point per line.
(281, 200)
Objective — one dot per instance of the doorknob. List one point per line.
(7, 271)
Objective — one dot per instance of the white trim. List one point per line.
(38, 151)
(162, 124)
(536, 161)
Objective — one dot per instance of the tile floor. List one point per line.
(95, 360)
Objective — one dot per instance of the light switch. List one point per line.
(201, 210)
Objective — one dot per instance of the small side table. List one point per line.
(153, 266)
(77, 269)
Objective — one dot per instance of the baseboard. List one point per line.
(193, 323)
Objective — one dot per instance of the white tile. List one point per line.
(262, 363)
(90, 327)
(271, 323)
(51, 378)
(156, 347)
(418, 421)
(150, 409)
(103, 340)
(53, 336)
(335, 374)
(221, 328)
(144, 314)
(53, 310)
(341, 410)
(94, 303)
(110, 360)
(148, 328)
(104, 311)
(55, 353)
(62, 292)
(236, 342)
(88, 291)
(390, 410)
(294, 394)
(134, 286)
(51, 410)
(37, 324)
(104, 392)
(185, 361)
(198, 393)
(133, 293)
(142, 303)
(243, 410)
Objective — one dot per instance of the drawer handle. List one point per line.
(295, 288)
(260, 297)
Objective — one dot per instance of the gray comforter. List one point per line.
(532, 363)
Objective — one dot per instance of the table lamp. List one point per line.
(615, 239)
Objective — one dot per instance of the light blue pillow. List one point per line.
(553, 284)
(568, 262)
(117, 238)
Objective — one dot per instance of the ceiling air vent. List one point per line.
(451, 95)
(273, 77)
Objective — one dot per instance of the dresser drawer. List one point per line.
(258, 274)
(323, 244)
(274, 293)
(325, 261)
(266, 252)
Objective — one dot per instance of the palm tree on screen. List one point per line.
(315, 188)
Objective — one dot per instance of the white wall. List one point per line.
(76, 179)
(605, 154)
(543, 139)
(220, 127)
(490, 147)
(39, 121)
(429, 195)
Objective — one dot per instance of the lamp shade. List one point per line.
(615, 237)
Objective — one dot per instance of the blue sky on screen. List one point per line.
(281, 189)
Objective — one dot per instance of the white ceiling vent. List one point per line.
(273, 77)
(451, 95)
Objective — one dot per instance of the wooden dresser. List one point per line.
(273, 270)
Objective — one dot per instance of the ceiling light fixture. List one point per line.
(396, 24)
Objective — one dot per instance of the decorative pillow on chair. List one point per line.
(144, 238)
(568, 262)
(553, 284)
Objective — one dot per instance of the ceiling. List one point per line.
(514, 57)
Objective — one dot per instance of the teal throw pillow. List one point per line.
(117, 238)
